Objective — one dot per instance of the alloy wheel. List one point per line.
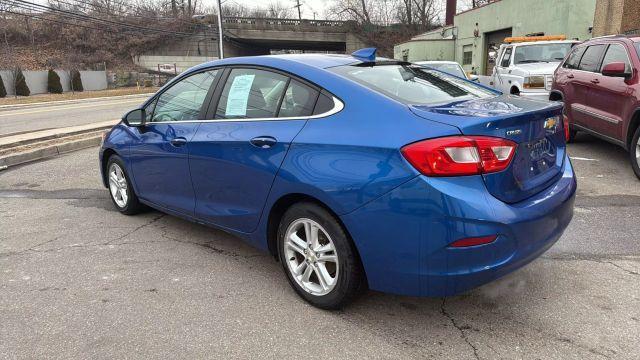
(311, 257)
(638, 153)
(118, 185)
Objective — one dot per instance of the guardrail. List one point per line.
(281, 24)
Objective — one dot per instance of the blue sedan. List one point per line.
(352, 171)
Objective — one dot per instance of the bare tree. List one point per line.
(279, 10)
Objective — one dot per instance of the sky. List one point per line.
(307, 9)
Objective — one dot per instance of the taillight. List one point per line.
(565, 125)
(460, 155)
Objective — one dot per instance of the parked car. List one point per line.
(599, 83)
(352, 171)
(526, 68)
(450, 67)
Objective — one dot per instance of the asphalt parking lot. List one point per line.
(79, 280)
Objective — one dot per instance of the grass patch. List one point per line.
(11, 100)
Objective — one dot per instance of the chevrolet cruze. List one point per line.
(353, 172)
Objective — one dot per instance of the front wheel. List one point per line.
(634, 152)
(318, 257)
(122, 194)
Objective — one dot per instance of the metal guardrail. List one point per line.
(272, 23)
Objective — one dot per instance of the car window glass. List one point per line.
(183, 100)
(545, 53)
(573, 60)
(298, 100)
(453, 69)
(414, 84)
(149, 110)
(616, 53)
(324, 104)
(251, 94)
(591, 59)
(506, 58)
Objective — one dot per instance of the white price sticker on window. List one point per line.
(239, 95)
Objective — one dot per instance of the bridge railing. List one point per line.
(281, 24)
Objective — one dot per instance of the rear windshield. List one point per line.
(414, 85)
(452, 69)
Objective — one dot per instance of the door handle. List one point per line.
(595, 81)
(263, 142)
(570, 76)
(179, 141)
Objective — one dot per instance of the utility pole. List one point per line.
(298, 5)
(220, 36)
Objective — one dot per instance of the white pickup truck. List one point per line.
(526, 68)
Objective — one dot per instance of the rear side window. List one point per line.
(251, 94)
(298, 100)
(506, 59)
(591, 59)
(324, 104)
(616, 53)
(574, 58)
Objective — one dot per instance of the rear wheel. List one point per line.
(634, 152)
(318, 257)
(122, 194)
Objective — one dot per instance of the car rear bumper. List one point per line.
(403, 237)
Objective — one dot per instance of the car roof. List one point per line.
(321, 61)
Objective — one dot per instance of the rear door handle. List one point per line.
(264, 142)
(179, 141)
(570, 76)
(595, 81)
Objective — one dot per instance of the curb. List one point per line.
(74, 101)
(54, 136)
(48, 151)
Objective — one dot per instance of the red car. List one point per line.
(599, 82)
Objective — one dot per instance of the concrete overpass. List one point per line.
(254, 36)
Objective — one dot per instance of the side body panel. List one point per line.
(160, 168)
(231, 176)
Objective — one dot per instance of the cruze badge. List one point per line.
(514, 132)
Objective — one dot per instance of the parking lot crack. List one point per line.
(462, 329)
(140, 227)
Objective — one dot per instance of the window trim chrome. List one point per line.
(338, 105)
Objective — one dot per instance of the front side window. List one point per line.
(573, 60)
(591, 59)
(526, 54)
(251, 94)
(413, 84)
(184, 99)
(506, 58)
(616, 53)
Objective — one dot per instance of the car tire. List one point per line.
(634, 152)
(121, 192)
(324, 270)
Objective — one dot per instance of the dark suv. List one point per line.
(600, 86)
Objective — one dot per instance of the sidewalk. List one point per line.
(36, 145)
(74, 101)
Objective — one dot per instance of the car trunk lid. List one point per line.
(536, 127)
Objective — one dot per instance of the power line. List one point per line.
(99, 6)
(71, 24)
(98, 20)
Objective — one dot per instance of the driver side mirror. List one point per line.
(616, 69)
(135, 118)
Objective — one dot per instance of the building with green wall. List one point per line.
(475, 33)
